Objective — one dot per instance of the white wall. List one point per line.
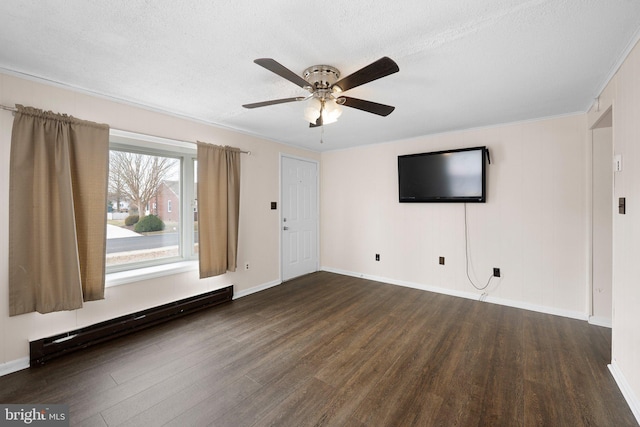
(259, 225)
(533, 226)
(623, 94)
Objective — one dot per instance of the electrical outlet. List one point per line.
(246, 265)
(377, 257)
(496, 272)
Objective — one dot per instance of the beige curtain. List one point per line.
(218, 208)
(57, 204)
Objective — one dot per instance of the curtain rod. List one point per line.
(130, 134)
(15, 110)
(4, 107)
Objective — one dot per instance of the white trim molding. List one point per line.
(14, 366)
(463, 294)
(601, 321)
(255, 289)
(625, 388)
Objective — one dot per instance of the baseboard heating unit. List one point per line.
(46, 349)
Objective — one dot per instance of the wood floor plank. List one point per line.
(159, 392)
(502, 402)
(203, 412)
(303, 408)
(219, 393)
(331, 350)
(410, 376)
(98, 402)
(266, 399)
(94, 421)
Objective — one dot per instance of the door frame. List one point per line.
(280, 180)
(603, 119)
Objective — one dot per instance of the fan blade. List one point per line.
(275, 67)
(273, 102)
(381, 68)
(368, 106)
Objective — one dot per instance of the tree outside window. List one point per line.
(144, 234)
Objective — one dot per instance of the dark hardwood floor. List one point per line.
(330, 350)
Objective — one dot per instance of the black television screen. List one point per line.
(443, 176)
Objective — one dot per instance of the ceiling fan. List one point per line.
(325, 87)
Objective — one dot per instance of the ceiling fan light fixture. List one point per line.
(312, 110)
(331, 111)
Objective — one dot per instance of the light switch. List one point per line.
(617, 163)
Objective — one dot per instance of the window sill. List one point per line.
(139, 274)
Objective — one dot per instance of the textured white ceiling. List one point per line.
(463, 63)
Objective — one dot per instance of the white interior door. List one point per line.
(299, 220)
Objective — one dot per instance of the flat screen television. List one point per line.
(443, 176)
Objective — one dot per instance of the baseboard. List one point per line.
(14, 366)
(403, 283)
(600, 321)
(463, 294)
(538, 308)
(255, 289)
(625, 388)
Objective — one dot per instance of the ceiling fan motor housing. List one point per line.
(321, 76)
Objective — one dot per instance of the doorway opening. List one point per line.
(602, 211)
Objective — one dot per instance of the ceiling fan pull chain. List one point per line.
(321, 134)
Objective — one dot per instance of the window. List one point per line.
(145, 173)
